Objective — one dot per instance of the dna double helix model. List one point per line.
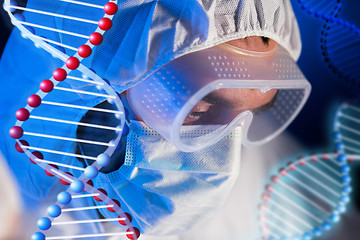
(340, 40)
(47, 126)
(347, 129)
(306, 198)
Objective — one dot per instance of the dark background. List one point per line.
(313, 126)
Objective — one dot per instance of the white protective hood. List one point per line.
(148, 34)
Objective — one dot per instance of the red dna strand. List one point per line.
(46, 127)
(305, 198)
(340, 40)
(56, 26)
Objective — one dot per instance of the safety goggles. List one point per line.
(216, 89)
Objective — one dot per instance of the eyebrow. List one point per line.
(265, 40)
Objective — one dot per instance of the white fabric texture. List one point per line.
(148, 34)
(237, 218)
(167, 191)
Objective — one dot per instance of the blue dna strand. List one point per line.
(305, 198)
(323, 8)
(340, 40)
(56, 221)
(46, 127)
(347, 129)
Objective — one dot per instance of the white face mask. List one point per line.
(168, 191)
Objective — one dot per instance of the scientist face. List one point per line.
(232, 101)
(218, 105)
